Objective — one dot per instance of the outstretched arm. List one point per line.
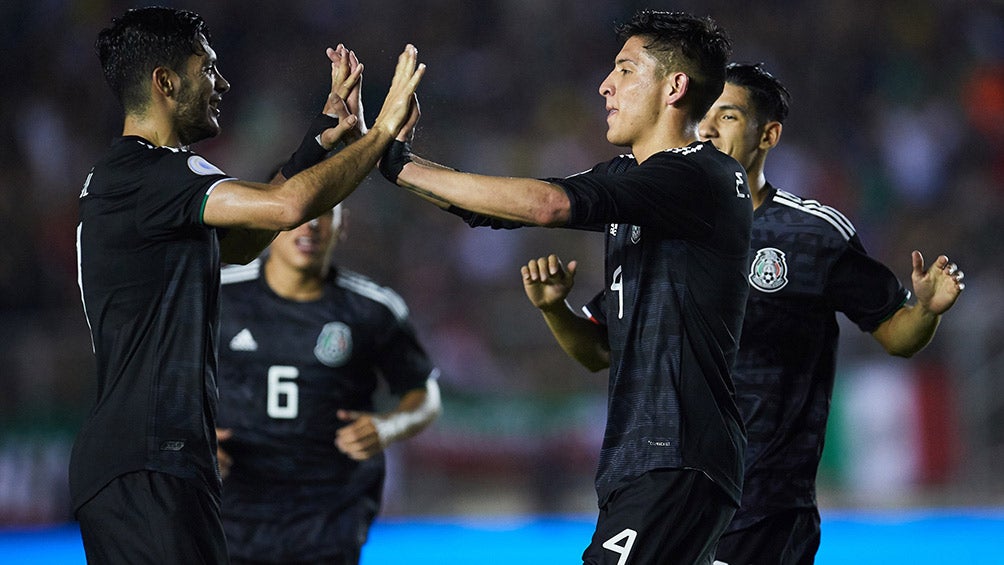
(525, 200)
(311, 192)
(911, 328)
(368, 434)
(547, 283)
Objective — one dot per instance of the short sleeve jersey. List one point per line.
(286, 368)
(806, 262)
(677, 234)
(149, 278)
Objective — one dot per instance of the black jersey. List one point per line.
(286, 368)
(149, 279)
(677, 237)
(806, 262)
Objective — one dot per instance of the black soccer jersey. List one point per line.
(677, 236)
(806, 262)
(149, 278)
(286, 368)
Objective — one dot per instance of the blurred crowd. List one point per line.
(897, 120)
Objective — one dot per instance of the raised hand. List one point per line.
(547, 282)
(397, 106)
(346, 83)
(939, 287)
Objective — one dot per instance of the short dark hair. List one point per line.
(685, 43)
(768, 96)
(141, 40)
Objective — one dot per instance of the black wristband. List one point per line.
(310, 151)
(397, 155)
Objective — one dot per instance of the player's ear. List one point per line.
(770, 135)
(677, 84)
(165, 82)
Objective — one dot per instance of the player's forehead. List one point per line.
(203, 50)
(735, 98)
(633, 52)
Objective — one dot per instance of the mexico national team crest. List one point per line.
(769, 271)
(334, 344)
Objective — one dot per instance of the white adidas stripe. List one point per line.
(364, 286)
(815, 208)
(240, 273)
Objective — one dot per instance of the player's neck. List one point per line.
(294, 284)
(672, 130)
(757, 182)
(151, 129)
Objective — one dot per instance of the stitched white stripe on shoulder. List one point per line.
(815, 208)
(364, 286)
(240, 273)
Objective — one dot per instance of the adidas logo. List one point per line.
(243, 341)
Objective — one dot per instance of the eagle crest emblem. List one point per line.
(769, 271)
(334, 344)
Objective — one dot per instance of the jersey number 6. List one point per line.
(283, 393)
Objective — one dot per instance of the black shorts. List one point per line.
(786, 538)
(155, 518)
(300, 524)
(666, 516)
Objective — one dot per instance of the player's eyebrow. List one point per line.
(733, 107)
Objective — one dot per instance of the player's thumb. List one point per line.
(571, 266)
(330, 136)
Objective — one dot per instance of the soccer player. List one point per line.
(806, 262)
(155, 221)
(303, 345)
(676, 213)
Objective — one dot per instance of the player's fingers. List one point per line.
(223, 434)
(349, 81)
(332, 53)
(918, 262)
(553, 265)
(572, 265)
(348, 415)
(533, 270)
(405, 64)
(543, 270)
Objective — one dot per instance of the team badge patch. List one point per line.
(200, 166)
(769, 271)
(635, 234)
(334, 344)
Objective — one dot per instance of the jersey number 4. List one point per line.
(283, 401)
(621, 544)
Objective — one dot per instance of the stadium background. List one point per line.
(897, 120)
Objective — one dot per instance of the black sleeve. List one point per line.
(669, 192)
(174, 193)
(403, 361)
(865, 290)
